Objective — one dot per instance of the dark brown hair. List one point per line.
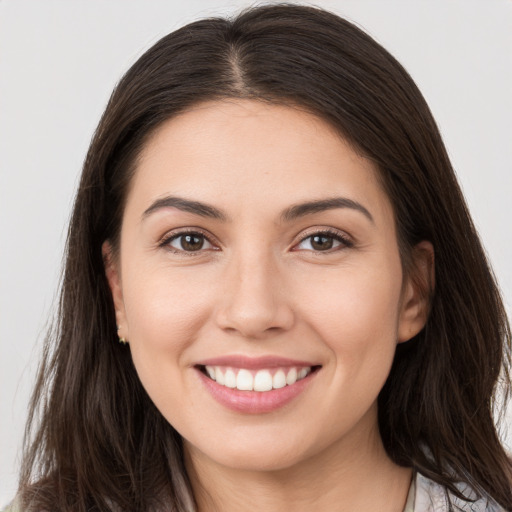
(95, 439)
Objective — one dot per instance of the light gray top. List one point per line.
(424, 496)
(428, 496)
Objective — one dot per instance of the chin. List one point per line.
(258, 460)
(256, 452)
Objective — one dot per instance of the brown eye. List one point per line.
(189, 242)
(192, 242)
(322, 242)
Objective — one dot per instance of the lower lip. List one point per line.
(255, 402)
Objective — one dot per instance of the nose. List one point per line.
(254, 297)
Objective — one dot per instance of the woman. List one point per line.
(269, 225)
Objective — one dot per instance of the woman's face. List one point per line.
(258, 251)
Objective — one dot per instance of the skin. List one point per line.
(259, 287)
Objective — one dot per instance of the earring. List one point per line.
(121, 339)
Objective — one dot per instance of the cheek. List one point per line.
(165, 312)
(356, 317)
(164, 308)
(354, 300)
(356, 313)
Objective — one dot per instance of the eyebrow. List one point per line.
(311, 207)
(186, 205)
(291, 213)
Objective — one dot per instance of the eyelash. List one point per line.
(345, 242)
(165, 243)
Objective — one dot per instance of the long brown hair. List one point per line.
(95, 441)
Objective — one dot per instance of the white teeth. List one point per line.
(230, 378)
(211, 371)
(262, 381)
(279, 380)
(219, 376)
(244, 380)
(291, 377)
(303, 372)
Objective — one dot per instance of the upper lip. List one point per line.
(241, 361)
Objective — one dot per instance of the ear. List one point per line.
(113, 274)
(417, 292)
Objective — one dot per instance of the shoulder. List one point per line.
(12, 507)
(433, 497)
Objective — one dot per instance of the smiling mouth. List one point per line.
(256, 380)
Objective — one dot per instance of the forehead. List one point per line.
(244, 153)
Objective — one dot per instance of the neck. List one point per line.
(355, 474)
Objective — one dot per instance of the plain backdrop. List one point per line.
(59, 61)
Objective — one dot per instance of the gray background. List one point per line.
(59, 61)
